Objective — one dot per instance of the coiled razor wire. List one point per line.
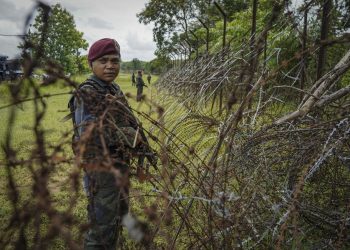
(235, 180)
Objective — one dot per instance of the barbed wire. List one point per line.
(239, 179)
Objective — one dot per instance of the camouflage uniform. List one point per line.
(133, 81)
(139, 85)
(107, 190)
(149, 77)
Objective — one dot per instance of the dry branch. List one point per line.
(323, 85)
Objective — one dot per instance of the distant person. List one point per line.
(133, 81)
(139, 85)
(149, 77)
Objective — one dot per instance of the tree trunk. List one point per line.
(303, 61)
(327, 5)
(252, 50)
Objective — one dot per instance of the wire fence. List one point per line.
(265, 170)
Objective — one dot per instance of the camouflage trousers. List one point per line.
(139, 93)
(108, 202)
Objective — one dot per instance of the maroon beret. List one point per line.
(103, 47)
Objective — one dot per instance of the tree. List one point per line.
(136, 64)
(180, 18)
(327, 5)
(63, 42)
(168, 17)
(159, 65)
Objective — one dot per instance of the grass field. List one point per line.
(254, 170)
(21, 131)
(22, 140)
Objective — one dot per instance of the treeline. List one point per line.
(155, 66)
(316, 29)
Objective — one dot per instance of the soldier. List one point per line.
(106, 137)
(139, 85)
(149, 77)
(133, 82)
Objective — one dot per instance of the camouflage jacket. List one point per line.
(139, 82)
(103, 120)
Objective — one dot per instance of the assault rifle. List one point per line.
(143, 150)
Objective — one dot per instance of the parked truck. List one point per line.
(10, 69)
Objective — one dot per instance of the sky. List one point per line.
(95, 18)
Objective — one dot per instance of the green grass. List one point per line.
(141, 195)
(59, 182)
(21, 130)
(22, 140)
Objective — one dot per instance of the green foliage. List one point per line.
(175, 22)
(83, 65)
(166, 16)
(156, 66)
(59, 182)
(160, 65)
(134, 65)
(63, 42)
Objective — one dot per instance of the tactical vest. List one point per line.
(102, 91)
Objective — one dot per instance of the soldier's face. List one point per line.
(106, 67)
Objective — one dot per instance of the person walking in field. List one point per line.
(139, 85)
(149, 77)
(133, 81)
(106, 137)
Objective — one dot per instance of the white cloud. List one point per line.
(8, 44)
(9, 11)
(96, 19)
(8, 48)
(10, 25)
(99, 23)
(139, 41)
